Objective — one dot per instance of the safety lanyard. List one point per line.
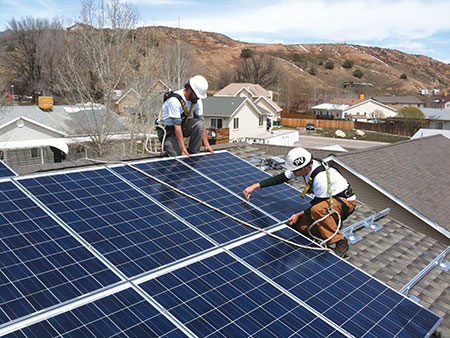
(310, 181)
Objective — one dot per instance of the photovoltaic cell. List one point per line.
(131, 231)
(40, 263)
(358, 303)
(5, 171)
(280, 201)
(125, 314)
(217, 226)
(219, 296)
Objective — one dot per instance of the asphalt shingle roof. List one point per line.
(415, 171)
(221, 106)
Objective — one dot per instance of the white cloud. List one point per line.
(412, 46)
(345, 20)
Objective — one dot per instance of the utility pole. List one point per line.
(12, 94)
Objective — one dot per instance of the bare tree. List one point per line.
(177, 64)
(32, 53)
(3, 91)
(101, 58)
(259, 69)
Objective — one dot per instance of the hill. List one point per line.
(381, 68)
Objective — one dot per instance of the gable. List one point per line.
(21, 129)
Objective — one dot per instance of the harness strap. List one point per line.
(183, 104)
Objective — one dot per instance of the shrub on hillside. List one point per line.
(312, 70)
(246, 53)
(358, 73)
(329, 65)
(403, 76)
(347, 64)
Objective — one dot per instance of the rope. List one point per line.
(216, 209)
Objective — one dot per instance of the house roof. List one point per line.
(66, 120)
(374, 102)
(436, 113)
(414, 171)
(233, 89)
(347, 101)
(331, 106)
(273, 104)
(398, 99)
(393, 255)
(222, 106)
(422, 132)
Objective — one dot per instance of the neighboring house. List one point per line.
(256, 94)
(410, 177)
(276, 137)
(370, 109)
(423, 132)
(438, 118)
(240, 115)
(330, 110)
(127, 101)
(404, 101)
(29, 135)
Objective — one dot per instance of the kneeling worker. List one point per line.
(177, 121)
(300, 163)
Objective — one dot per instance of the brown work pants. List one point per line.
(327, 227)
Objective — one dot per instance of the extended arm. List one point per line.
(274, 180)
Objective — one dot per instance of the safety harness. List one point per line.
(184, 119)
(344, 194)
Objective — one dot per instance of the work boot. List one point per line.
(341, 248)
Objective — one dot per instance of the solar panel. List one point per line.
(219, 227)
(130, 230)
(280, 201)
(124, 314)
(219, 296)
(6, 171)
(41, 264)
(347, 296)
(205, 273)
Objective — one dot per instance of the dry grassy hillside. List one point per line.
(217, 54)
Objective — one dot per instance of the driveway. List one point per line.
(316, 142)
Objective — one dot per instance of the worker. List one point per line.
(182, 116)
(299, 162)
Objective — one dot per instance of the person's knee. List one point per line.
(197, 125)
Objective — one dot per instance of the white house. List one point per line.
(240, 115)
(370, 109)
(256, 94)
(29, 135)
(330, 110)
(438, 118)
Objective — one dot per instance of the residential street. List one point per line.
(316, 142)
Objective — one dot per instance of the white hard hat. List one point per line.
(199, 85)
(297, 158)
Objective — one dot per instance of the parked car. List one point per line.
(310, 126)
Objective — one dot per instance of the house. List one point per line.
(29, 135)
(438, 118)
(127, 101)
(329, 110)
(256, 94)
(239, 114)
(370, 109)
(404, 101)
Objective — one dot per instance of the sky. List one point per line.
(411, 26)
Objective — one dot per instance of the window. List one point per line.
(34, 152)
(236, 123)
(261, 120)
(216, 123)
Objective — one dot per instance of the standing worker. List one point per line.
(319, 180)
(182, 116)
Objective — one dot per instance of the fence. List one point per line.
(331, 124)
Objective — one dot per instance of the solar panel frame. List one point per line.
(336, 304)
(280, 201)
(206, 220)
(5, 170)
(101, 232)
(49, 266)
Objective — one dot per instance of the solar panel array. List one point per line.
(109, 252)
(6, 171)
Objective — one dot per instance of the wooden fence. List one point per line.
(396, 127)
(331, 124)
